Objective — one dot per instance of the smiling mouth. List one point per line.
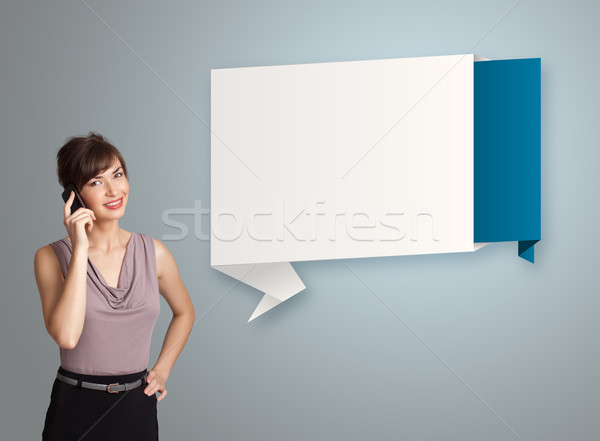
(114, 204)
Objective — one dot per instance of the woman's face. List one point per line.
(107, 187)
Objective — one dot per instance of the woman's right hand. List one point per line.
(76, 223)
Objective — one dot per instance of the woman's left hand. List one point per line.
(156, 383)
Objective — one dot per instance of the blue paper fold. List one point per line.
(507, 154)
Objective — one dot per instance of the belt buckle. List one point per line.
(112, 391)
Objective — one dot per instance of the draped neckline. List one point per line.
(124, 279)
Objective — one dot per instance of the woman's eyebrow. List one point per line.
(114, 171)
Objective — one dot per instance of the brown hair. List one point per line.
(81, 158)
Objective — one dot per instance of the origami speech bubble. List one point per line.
(368, 159)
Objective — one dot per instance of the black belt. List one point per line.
(112, 388)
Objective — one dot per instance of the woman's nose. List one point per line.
(111, 190)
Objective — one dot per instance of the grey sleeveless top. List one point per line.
(119, 320)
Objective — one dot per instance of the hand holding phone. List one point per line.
(77, 217)
(78, 202)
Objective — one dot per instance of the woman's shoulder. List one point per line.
(48, 254)
(148, 237)
(57, 244)
(159, 247)
(44, 250)
(153, 244)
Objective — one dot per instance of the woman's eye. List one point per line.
(117, 175)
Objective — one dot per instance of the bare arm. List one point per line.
(173, 290)
(63, 299)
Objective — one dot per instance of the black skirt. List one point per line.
(89, 415)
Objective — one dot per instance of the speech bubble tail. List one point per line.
(277, 280)
(266, 303)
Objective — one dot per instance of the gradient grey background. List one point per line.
(473, 346)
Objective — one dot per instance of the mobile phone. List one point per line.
(77, 202)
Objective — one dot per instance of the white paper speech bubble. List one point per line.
(339, 160)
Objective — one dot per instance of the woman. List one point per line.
(99, 289)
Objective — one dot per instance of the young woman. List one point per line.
(99, 289)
